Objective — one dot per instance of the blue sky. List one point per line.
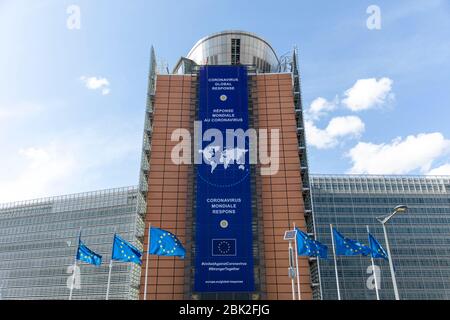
(381, 97)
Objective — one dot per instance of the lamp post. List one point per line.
(383, 221)
(291, 235)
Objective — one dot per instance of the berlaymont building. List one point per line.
(226, 209)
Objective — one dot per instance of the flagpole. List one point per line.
(290, 267)
(110, 266)
(335, 263)
(373, 268)
(146, 261)
(75, 266)
(109, 279)
(296, 266)
(73, 279)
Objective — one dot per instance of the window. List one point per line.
(235, 51)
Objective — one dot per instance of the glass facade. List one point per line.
(39, 238)
(419, 239)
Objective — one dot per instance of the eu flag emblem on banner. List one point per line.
(125, 251)
(349, 247)
(309, 247)
(377, 250)
(223, 247)
(164, 243)
(87, 255)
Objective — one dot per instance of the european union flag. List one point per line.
(377, 250)
(125, 251)
(349, 247)
(87, 255)
(164, 243)
(303, 245)
(223, 247)
(309, 247)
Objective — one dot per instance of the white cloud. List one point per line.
(317, 137)
(368, 93)
(320, 107)
(338, 128)
(74, 162)
(41, 168)
(401, 156)
(94, 83)
(443, 170)
(344, 126)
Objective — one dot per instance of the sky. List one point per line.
(72, 100)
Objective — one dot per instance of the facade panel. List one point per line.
(419, 240)
(39, 239)
(281, 192)
(169, 188)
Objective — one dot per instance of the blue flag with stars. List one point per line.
(349, 247)
(320, 249)
(377, 250)
(309, 247)
(164, 243)
(87, 255)
(125, 251)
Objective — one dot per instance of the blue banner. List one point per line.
(224, 255)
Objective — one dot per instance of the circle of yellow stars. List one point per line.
(224, 247)
(166, 234)
(123, 251)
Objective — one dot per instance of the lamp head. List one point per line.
(398, 209)
(401, 208)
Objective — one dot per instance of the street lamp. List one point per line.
(383, 221)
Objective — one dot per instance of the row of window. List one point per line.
(69, 204)
(117, 291)
(47, 224)
(69, 233)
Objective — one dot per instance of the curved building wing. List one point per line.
(232, 48)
